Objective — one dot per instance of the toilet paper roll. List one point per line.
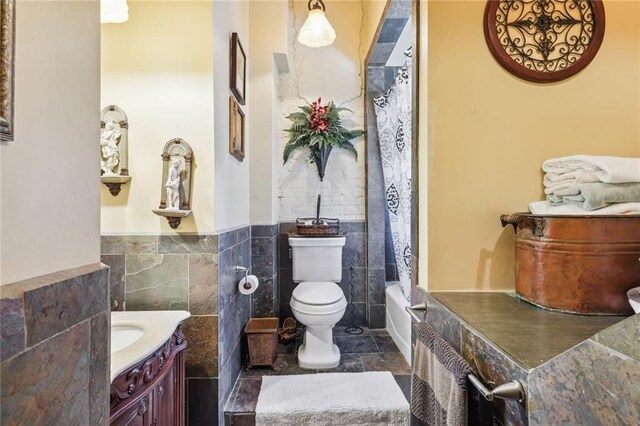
(248, 285)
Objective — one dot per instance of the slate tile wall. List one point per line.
(354, 276)
(55, 344)
(381, 263)
(234, 249)
(264, 265)
(600, 377)
(381, 259)
(174, 272)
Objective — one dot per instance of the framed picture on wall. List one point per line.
(236, 129)
(238, 71)
(7, 31)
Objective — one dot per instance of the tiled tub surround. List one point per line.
(378, 79)
(54, 359)
(168, 272)
(576, 369)
(366, 299)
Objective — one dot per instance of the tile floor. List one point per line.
(373, 350)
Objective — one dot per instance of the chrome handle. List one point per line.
(411, 311)
(512, 390)
(245, 272)
(419, 307)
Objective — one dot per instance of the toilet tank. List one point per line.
(317, 259)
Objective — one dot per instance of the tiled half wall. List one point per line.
(54, 359)
(174, 272)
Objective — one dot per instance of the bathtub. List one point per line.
(398, 320)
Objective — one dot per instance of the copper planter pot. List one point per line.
(576, 264)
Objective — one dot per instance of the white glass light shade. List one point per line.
(316, 31)
(113, 11)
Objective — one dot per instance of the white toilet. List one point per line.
(318, 302)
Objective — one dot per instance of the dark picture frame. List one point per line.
(7, 54)
(238, 69)
(236, 129)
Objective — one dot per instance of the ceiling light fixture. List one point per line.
(316, 31)
(113, 11)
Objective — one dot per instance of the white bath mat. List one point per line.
(332, 399)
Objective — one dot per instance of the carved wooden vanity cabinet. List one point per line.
(151, 392)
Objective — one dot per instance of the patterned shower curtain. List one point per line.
(393, 116)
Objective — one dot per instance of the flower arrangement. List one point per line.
(319, 128)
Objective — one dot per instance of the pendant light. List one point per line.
(113, 11)
(316, 31)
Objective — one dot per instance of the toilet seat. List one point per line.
(317, 293)
(318, 298)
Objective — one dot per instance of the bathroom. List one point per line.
(80, 251)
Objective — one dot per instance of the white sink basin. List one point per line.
(124, 335)
(137, 334)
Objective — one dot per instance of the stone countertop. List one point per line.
(157, 327)
(530, 335)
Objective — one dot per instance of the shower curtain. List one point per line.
(393, 116)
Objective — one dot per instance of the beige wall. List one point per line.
(373, 10)
(50, 198)
(158, 67)
(488, 133)
(266, 17)
(231, 176)
(423, 148)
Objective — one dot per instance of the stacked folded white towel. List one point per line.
(587, 184)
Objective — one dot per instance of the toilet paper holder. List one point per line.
(245, 271)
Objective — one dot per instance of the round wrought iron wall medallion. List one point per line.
(544, 40)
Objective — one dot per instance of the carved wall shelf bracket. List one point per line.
(173, 216)
(114, 183)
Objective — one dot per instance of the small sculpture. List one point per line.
(114, 147)
(173, 186)
(110, 152)
(175, 196)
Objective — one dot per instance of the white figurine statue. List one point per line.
(173, 186)
(110, 151)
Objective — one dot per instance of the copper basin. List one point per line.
(576, 264)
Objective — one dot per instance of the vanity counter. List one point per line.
(156, 327)
(147, 368)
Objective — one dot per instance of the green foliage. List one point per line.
(315, 127)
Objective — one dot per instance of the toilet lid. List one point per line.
(317, 293)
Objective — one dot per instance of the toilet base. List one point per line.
(318, 350)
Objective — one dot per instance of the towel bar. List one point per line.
(512, 390)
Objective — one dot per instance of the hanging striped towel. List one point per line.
(439, 389)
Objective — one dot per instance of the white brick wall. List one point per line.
(335, 73)
(343, 188)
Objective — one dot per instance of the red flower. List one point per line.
(318, 116)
